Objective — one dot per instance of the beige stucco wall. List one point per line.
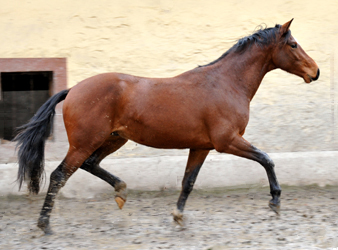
(165, 38)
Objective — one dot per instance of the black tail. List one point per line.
(31, 139)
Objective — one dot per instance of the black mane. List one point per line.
(262, 37)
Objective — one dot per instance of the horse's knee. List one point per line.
(265, 160)
(268, 162)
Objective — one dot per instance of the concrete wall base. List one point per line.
(166, 172)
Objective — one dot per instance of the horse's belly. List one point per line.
(173, 143)
(166, 136)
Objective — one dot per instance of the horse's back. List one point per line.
(158, 112)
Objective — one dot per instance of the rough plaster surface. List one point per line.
(166, 38)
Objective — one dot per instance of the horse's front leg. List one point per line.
(240, 147)
(194, 164)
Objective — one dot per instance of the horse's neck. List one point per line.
(246, 70)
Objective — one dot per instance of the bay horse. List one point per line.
(202, 109)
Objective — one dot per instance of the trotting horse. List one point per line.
(202, 109)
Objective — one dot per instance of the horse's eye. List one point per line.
(294, 46)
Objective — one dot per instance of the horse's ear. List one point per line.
(285, 27)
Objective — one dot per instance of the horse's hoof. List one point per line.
(275, 207)
(48, 231)
(178, 217)
(120, 202)
(121, 194)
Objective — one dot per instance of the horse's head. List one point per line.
(288, 55)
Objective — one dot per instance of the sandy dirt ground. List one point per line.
(215, 219)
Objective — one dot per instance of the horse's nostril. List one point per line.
(317, 76)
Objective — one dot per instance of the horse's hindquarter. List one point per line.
(91, 107)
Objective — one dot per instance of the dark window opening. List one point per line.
(22, 94)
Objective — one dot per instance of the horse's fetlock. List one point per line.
(276, 192)
(121, 190)
(43, 222)
(120, 186)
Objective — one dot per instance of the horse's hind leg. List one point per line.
(194, 164)
(58, 179)
(92, 166)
